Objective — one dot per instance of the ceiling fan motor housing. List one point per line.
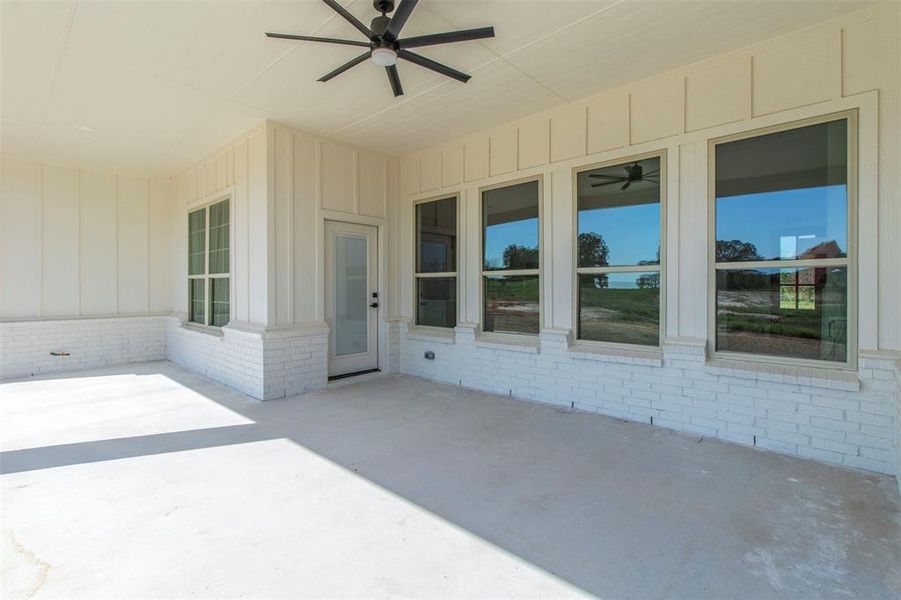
(379, 24)
(383, 6)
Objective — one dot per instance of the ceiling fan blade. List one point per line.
(626, 186)
(345, 67)
(428, 63)
(394, 78)
(447, 38)
(399, 18)
(605, 183)
(307, 38)
(350, 18)
(654, 172)
(607, 176)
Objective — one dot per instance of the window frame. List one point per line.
(443, 275)
(482, 272)
(850, 262)
(206, 275)
(661, 154)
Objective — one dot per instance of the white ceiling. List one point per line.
(156, 85)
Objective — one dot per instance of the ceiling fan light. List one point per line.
(384, 57)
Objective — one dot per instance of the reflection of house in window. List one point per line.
(828, 249)
(797, 290)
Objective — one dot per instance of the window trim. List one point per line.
(851, 262)
(206, 275)
(416, 327)
(502, 336)
(661, 268)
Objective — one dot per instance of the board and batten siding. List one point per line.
(82, 243)
(283, 184)
(313, 180)
(829, 66)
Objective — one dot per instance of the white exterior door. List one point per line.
(351, 297)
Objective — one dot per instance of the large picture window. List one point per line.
(208, 265)
(511, 259)
(618, 252)
(782, 242)
(436, 263)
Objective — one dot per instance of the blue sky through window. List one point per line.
(632, 233)
(785, 223)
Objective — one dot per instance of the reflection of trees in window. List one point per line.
(519, 257)
(650, 280)
(593, 251)
(736, 250)
(618, 285)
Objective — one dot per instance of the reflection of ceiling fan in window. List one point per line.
(634, 172)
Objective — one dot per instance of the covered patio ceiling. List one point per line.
(148, 480)
(155, 86)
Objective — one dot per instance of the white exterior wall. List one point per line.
(90, 343)
(283, 185)
(848, 418)
(85, 255)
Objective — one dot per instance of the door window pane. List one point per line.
(436, 236)
(437, 298)
(219, 296)
(620, 307)
(510, 221)
(197, 242)
(511, 303)
(619, 214)
(197, 300)
(351, 295)
(783, 196)
(798, 312)
(219, 237)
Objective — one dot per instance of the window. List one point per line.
(511, 259)
(208, 265)
(436, 263)
(782, 242)
(618, 252)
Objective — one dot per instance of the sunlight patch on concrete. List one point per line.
(91, 407)
(265, 518)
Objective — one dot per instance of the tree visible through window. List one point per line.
(782, 243)
(511, 259)
(618, 253)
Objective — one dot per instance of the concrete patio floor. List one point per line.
(148, 480)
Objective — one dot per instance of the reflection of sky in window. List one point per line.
(785, 223)
(498, 237)
(632, 233)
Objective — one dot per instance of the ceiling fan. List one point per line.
(385, 45)
(634, 172)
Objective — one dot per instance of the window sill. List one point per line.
(650, 358)
(819, 377)
(204, 329)
(528, 345)
(424, 334)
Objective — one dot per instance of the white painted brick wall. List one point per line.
(25, 346)
(230, 356)
(295, 360)
(264, 364)
(846, 418)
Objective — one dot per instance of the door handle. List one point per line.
(374, 305)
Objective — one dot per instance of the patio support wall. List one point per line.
(848, 418)
(283, 184)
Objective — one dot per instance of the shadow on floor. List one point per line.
(620, 510)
